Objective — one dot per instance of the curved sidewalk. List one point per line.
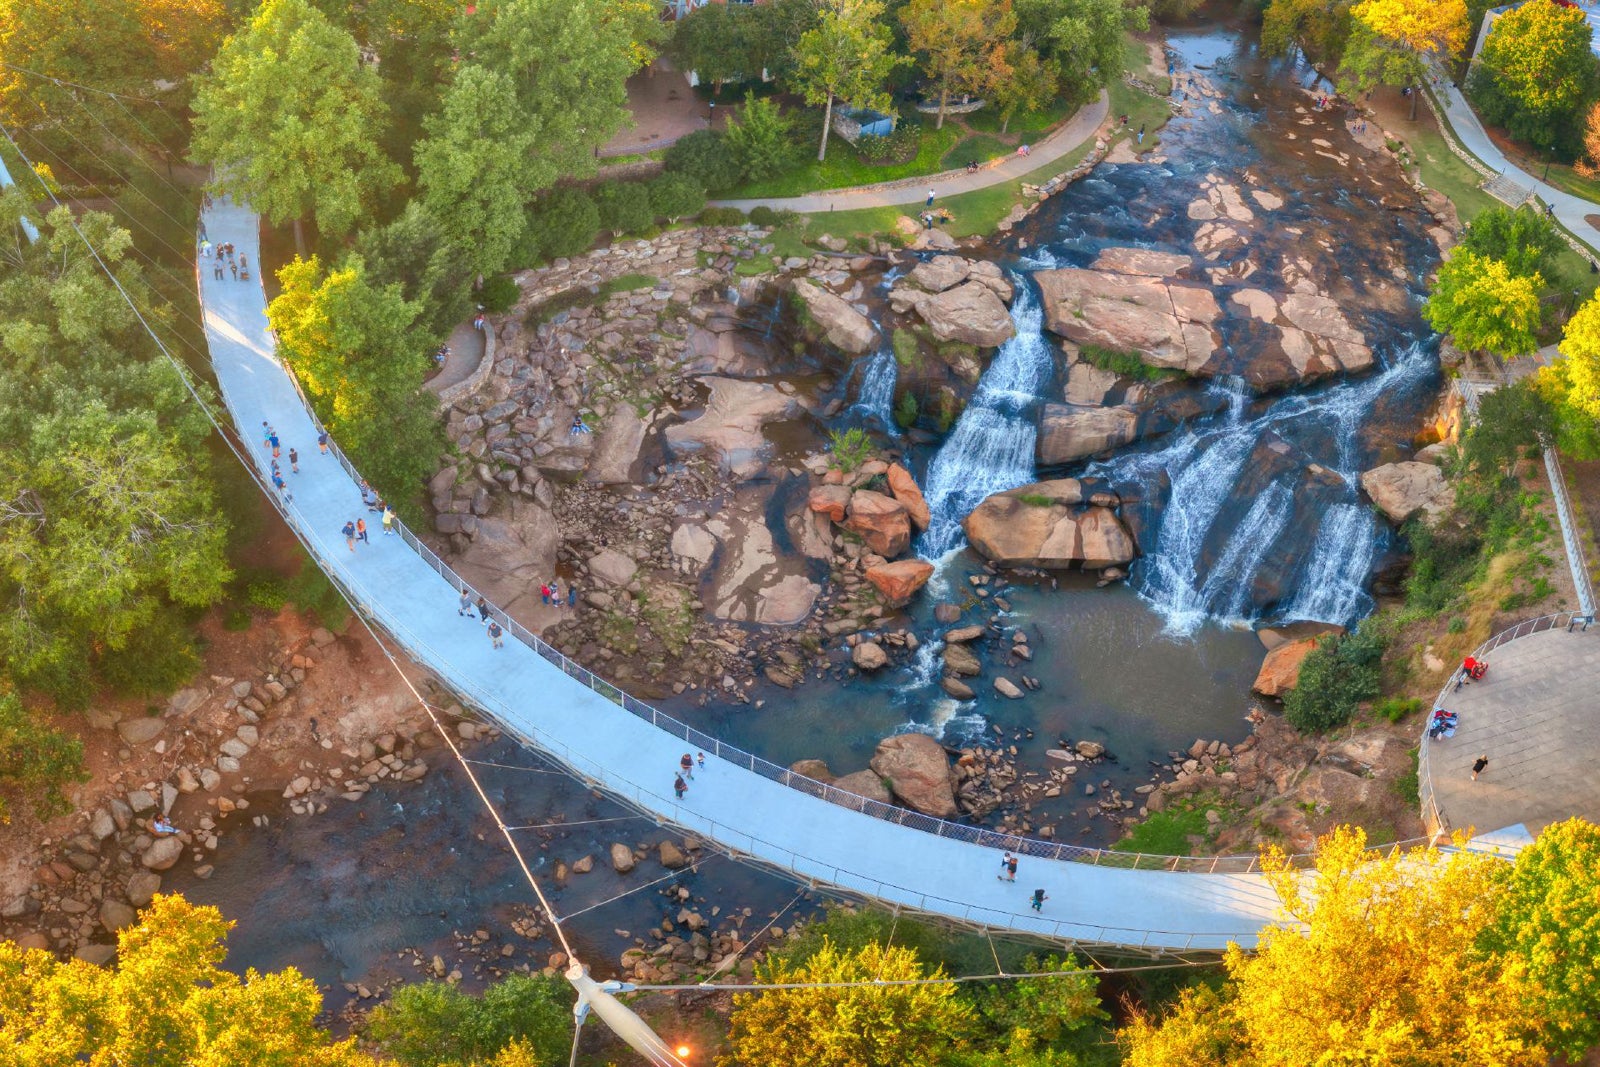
(1570, 210)
(738, 806)
(1068, 136)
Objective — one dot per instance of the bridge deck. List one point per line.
(727, 803)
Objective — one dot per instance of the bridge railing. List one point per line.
(713, 746)
(1432, 815)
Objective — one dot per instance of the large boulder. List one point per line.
(865, 784)
(869, 656)
(1307, 337)
(970, 313)
(162, 853)
(882, 522)
(812, 768)
(617, 446)
(899, 581)
(729, 429)
(830, 500)
(1280, 671)
(904, 488)
(1402, 490)
(918, 773)
(961, 661)
(1168, 325)
(1045, 525)
(939, 273)
(613, 568)
(1068, 432)
(1145, 261)
(842, 325)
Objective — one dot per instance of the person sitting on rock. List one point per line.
(161, 827)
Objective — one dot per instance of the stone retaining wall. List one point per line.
(450, 394)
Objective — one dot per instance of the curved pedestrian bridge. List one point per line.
(739, 803)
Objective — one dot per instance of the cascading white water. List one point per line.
(1226, 592)
(1333, 586)
(875, 399)
(1204, 466)
(991, 448)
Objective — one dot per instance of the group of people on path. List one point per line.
(224, 259)
(356, 529)
(685, 775)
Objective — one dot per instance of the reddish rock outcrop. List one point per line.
(830, 500)
(899, 581)
(1044, 525)
(905, 489)
(1280, 671)
(881, 521)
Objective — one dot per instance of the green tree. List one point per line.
(1335, 677)
(955, 39)
(774, 34)
(432, 269)
(624, 207)
(474, 166)
(569, 62)
(1393, 41)
(166, 1003)
(674, 196)
(1548, 927)
(1086, 43)
(1536, 75)
(356, 349)
(1319, 28)
(759, 138)
(1039, 1013)
(108, 519)
(847, 57)
(1510, 419)
(290, 119)
(849, 1026)
(1377, 962)
(711, 41)
(434, 1023)
(1482, 304)
(1524, 239)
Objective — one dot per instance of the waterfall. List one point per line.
(875, 400)
(1333, 587)
(1204, 466)
(1226, 592)
(991, 448)
(1202, 482)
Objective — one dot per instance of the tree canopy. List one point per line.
(846, 56)
(959, 42)
(435, 1023)
(1319, 28)
(1536, 75)
(1378, 961)
(1482, 304)
(1524, 239)
(292, 120)
(167, 1002)
(1392, 41)
(1580, 344)
(357, 349)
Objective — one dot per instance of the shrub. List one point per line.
(704, 155)
(157, 659)
(1037, 500)
(722, 216)
(1127, 364)
(905, 411)
(625, 207)
(499, 294)
(676, 196)
(563, 222)
(1396, 708)
(899, 146)
(760, 140)
(850, 449)
(907, 349)
(1338, 674)
(762, 215)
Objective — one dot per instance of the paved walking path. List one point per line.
(1068, 136)
(736, 805)
(1534, 716)
(1571, 210)
(466, 352)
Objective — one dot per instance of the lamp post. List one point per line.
(622, 1021)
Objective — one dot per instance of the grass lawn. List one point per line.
(1167, 833)
(979, 148)
(843, 169)
(1142, 109)
(987, 120)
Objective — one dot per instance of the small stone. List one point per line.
(672, 856)
(621, 858)
(142, 887)
(584, 865)
(140, 731)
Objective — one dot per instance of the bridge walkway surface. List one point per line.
(737, 803)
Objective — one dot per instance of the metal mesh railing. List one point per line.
(1432, 815)
(713, 746)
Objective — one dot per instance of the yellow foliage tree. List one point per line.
(166, 1003)
(1392, 42)
(1379, 962)
(846, 1026)
(1580, 343)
